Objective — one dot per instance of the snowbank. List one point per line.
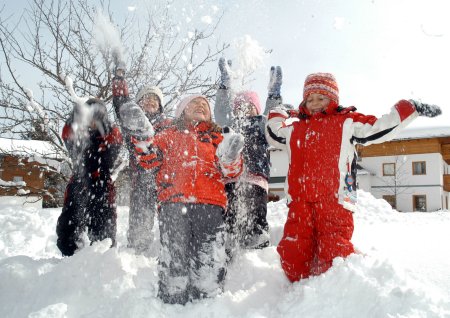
(393, 276)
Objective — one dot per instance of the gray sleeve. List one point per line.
(272, 103)
(223, 111)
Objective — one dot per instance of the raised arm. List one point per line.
(274, 99)
(223, 110)
(119, 89)
(370, 130)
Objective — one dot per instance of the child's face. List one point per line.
(245, 110)
(150, 103)
(197, 110)
(316, 103)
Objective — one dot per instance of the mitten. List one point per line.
(134, 121)
(426, 110)
(148, 156)
(119, 86)
(231, 146)
(275, 81)
(224, 73)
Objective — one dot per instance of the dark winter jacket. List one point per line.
(256, 149)
(93, 155)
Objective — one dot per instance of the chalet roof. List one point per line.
(424, 132)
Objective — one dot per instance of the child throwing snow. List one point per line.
(93, 145)
(143, 200)
(192, 158)
(320, 141)
(246, 216)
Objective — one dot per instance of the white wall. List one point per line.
(430, 184)
(364, 182)
(279, 163)
(278, 170)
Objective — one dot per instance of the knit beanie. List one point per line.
(321, 83)
(247, 97)
(185, 101)
(145, 90)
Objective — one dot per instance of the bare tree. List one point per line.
(55, 38)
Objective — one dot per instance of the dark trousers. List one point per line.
(90, 208)
(142, 211)
(246, 217)
(192, 257)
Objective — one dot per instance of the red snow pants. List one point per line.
(314, 234)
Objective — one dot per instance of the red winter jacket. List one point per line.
(321, 147)
(188, 168)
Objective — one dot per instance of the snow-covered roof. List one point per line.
(424, 132)
(26, 148)
(36, 150)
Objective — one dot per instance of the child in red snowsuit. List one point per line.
(320, 141)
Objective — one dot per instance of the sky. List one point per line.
(380, 51)
(401, 269)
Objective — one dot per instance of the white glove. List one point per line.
(134, 120)
(231, 146)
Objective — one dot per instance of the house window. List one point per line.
(420, 203)
(391, 200)
(419, 168)
(388, 169)
(17, 179)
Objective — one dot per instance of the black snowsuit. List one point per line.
(89, 201)
(246, 216)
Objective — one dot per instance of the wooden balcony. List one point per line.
(447, 182)
(445, 148)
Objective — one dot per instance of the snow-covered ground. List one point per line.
(402, 270)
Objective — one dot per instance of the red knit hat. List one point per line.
(321, 83)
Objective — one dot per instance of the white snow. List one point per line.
(12, 183)
(25, 147)
(107, 36)
(35, 150)
(402, 270)
(424, 132)
(250, 56)
(206, 19)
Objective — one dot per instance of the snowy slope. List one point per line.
(403, 270)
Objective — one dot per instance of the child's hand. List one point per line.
(224, 73)
(426, 110)
(231, 145)
(275, 81)
(134, 121)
